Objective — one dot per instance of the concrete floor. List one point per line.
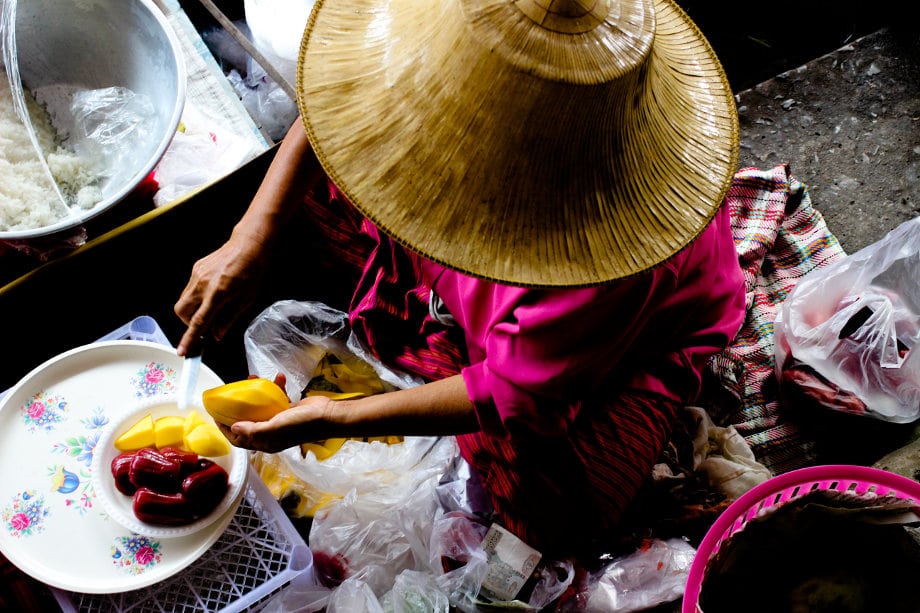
(848, 124)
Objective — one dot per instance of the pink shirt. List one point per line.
(537, 355)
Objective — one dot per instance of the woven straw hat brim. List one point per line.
(505, 158)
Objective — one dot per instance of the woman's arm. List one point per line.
(293, 170)
(438, 408)
(223, 283)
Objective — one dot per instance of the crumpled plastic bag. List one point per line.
(202, 151)
(406, 545)
(292, 337)
(266, 101)
(846, 336)
(372, 534)
(396, 527)
(367, 467)
(415, 592)
(653, 575)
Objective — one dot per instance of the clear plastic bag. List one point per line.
(266, 101)
(292, 337)
(653, 575)
(846, 335)
(378, 533)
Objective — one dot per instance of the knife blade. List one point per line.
(188, 379)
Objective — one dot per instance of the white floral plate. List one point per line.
(51, 525)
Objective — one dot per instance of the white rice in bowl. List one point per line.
(28, 199)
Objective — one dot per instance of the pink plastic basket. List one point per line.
(778, 490)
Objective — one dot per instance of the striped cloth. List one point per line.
(780, 237)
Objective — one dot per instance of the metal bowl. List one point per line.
(97, 44)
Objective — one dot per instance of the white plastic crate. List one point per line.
(258, 554)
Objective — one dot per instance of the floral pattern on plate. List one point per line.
(51, 521)
(26, 514)
(43, 411)
(153, 379)
(80, 484)
(81, 446)
(135, 554)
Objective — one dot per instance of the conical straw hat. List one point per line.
(561, 146)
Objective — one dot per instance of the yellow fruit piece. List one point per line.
(394, 440)
(318, 450)
(207, 440)
(138, 436)
(167, 431)
(334, 444)
(246, 400)
(192, 421)
(336, 395)
(324, 499)
(358, 377)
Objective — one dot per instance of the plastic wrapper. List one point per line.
(653, 575)
(374, 534)
(396, 527)
(108, 122)
(366, 467)
(277, 27)
(202, 151)
(845, 336)
(415, 592)
(353, 595)
(293, 337)
(266, 101)
(456, 547)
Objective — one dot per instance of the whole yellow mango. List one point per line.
(247, 400)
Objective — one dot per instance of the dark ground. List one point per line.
(757, 41)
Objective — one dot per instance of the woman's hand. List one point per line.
(222, 285)
(303, 422)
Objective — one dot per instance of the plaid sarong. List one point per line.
(780, 237)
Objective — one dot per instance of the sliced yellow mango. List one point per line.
(324, 499)
(138, 436)
(192, 421)
(207, 440)
(334, 444)
(168, 431)
(247, 400)
(336, 395)
(318, 450)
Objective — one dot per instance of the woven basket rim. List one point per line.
(826, 473)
